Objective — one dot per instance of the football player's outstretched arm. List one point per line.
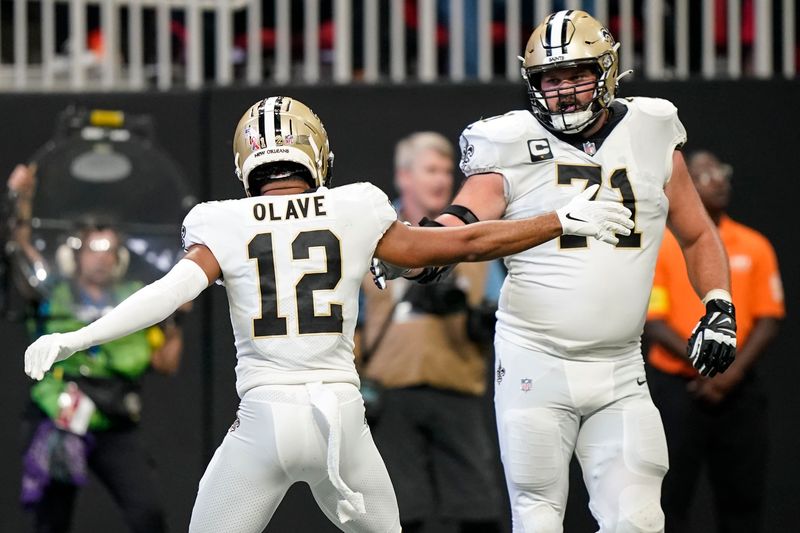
(428, 246)
(712, 345)
(706, 260)
(147, 306)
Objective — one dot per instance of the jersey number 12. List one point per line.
(269, 323)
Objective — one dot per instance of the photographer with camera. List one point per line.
(84, 414)
(422, 344)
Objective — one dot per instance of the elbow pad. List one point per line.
(433, 274)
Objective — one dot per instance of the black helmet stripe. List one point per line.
(261, 132)
(277, 115)
(556, 34)
(564, 27)
(548, 34)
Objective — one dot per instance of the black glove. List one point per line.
(712, 346)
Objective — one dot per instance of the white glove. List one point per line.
(599, 219)
(383, 272)
(48, 349)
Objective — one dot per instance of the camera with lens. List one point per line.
(442, 298)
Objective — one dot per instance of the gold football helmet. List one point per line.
(565, 39)
(279, 130)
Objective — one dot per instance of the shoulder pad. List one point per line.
(490, 144)
(654, 107)
(500, 128)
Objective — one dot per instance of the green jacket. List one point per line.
(127, 358)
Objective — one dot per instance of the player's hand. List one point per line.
(599, 219)
(712, 346)
(48, 349)
(383, 272)
(23, 180)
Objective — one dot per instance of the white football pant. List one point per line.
(284, 434)
(548, 407)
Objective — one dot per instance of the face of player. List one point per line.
(97, 258)
(428, 183)
(712, 180)
(567, 90)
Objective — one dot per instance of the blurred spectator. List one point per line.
(84, 414)
(433, 430)
(725, 413)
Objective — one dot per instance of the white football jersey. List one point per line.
(577, 297)
(292, 267)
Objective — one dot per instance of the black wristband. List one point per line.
(722, 306)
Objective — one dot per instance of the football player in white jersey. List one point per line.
(569, 370)
(292, 256)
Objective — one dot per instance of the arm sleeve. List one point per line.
(767, 285)
(147, 306)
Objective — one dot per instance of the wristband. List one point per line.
(717, 294)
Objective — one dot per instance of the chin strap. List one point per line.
(432, 274)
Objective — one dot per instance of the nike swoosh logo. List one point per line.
(640, 381)
(569, 216)
(725, 320)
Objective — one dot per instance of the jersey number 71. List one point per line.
(593, 175)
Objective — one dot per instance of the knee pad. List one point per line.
(533, 456)
(540, 517)
(640, 511)
(645, 446)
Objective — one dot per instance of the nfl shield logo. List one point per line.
(525, 384)
(589, 148)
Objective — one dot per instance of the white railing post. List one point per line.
(709, 53)
(514, 46)
(763, 45)
(543, 8)
(654, 39)
(789, 34)
(283, 42)
(342, 41)
(135, 49)
(734, 39)
(109, 24)
(48, 43)
(626, 35)
(682, 38)
(310, 41)
(484, 40)
(456, 40)
(194, 46)
(601, 12)
(372, 44)
(426, 40)
(163, 48)
(20, 44)
(223, 35)
(254, 49)
(77, 41)
(397, 36)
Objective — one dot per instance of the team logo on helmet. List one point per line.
(252, 137)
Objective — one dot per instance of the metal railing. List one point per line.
(257, 41)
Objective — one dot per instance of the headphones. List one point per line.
(66, 256)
